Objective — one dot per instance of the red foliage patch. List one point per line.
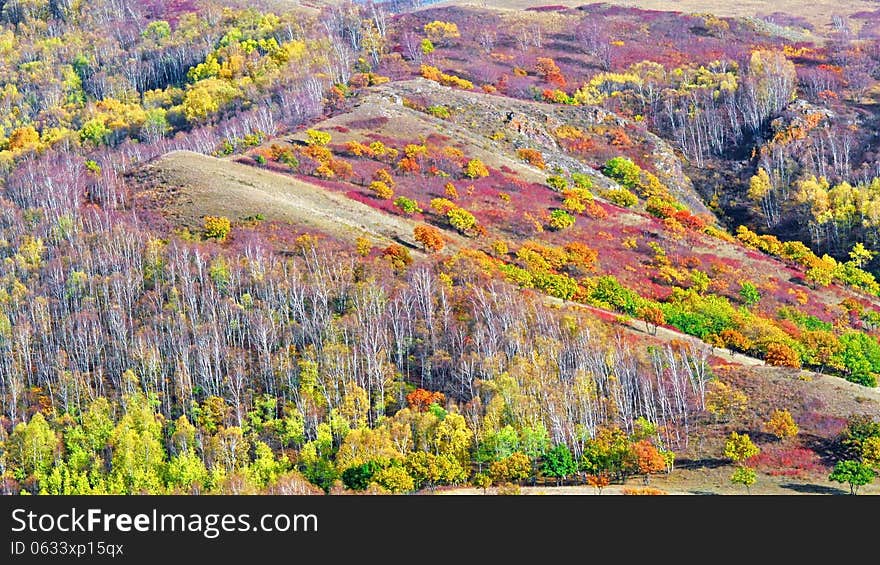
(384, 205)
(168, 10)
(779, 461)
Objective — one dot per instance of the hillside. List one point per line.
(808, 21)
(380, 113)
(339, 248)
(495, 127)
(194, 185)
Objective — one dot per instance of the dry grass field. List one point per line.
(191, 185)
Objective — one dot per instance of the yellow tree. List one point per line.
(475, 169)
(30, 448)
(439, 32)
(363, 445)
(138, 460)
(217, 227)
(821, 273)
(860, 254)
(871, 452)
(207, 97)
(774, 78)
(813, 192)
(761, 191)
(781, 424)
(740, 447)
(394, 479)
(724, 400)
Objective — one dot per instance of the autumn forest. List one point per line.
(414, 247)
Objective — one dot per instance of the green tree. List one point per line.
(320, 472)
(745, 476)
(582, 181)
(623, 170)
(97, 424)
(643, 428)
(854, 473)
(860, 356)
(186, 472)
(407, 205)
(749, 293)
(359, 477)
(534, 442)
(498, 445)
(94, 131)
(558, 463)
(266, 468)
(157, 30)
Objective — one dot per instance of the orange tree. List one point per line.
(430, 237)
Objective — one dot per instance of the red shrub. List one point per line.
(789, 462)
(582, 145)
(689, 220)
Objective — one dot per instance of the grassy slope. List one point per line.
(190, 186)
